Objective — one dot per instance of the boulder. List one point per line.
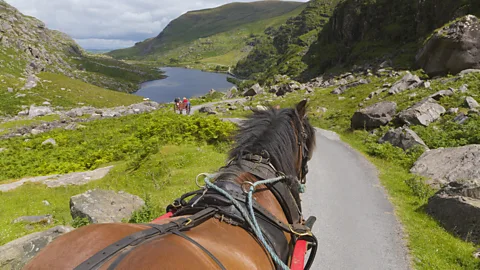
(374, 116)
(408, 81)
(457, 208)
(442, 93)
(422, 113)
(446, 165)
(49, 141)
(206, 109)
(45, 219)
(471, 103)
(341, 89)
(104, 206)
(453, 48)
(16, 254)
(460, 118)
(253, 91)
(404, 138)
(39, 111)
(463, 88)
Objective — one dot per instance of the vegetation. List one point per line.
(156, 157)
(212, 38)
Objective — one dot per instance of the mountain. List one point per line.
(29, 52)
(281, 51)
(223, 34)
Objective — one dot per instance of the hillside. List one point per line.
(224, 32)
(30, 51)
(281, 51)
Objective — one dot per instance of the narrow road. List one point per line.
(356, 227)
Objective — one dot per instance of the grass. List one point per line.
(13, 125)
(430, 245)
(163, 176)
(74, 93)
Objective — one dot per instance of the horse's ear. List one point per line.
(302, 108)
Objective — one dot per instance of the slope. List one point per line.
(202, 34)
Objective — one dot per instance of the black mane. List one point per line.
(272, 131)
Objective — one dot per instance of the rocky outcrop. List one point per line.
(104, 206)
(16, 254)
(408, 81)
(374, 116)
(457, 208)
(442, 93)
(35, 111)
(253, 91)
(422, 113)
(446, 165)
(341, 89)
(453, 48)
(404, 138)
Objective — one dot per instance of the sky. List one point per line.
(111, 24)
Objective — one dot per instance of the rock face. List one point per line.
(104, 206)
(422, 113)
(18, 253)
(374, 116)
(408, 81)
(447, 165)
(453, 48)
(457, 208)
(404, 138)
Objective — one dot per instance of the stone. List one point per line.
(460, 118)
(20, 95)
(452, 111)
(35, 111)
(31, 82)
(50, 141)
(46, 203)
(442, 93)
(206, 109)
(422, 113)
(16, 254)
(46, 219)
(471, 103)
(246, 108)
(10, 90)
(463, 88)
(35, 131)
(452, 49)
(468, 71)
(23, 113)
(374, 116)
(231, 93)
(253, 91)
(261, 108)
(46, 103)
(104, 206)
(376, 93)
(457, 208)
(408, 81)
(404, 138)
(445, 165)
(426, 85)
(344, 87)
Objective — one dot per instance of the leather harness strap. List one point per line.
(97, 260)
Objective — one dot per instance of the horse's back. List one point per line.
(231, 245)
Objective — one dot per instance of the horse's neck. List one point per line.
(264, 197)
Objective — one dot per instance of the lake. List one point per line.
(182, 82)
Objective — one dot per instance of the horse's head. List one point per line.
(284, 136)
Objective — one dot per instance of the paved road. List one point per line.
(355, 227)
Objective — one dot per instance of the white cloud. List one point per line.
(114, 23)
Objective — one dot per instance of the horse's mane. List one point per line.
(272, 131)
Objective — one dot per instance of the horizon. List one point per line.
(131, 23)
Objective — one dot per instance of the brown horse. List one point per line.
(208, 231)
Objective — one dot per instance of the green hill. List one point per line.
(222, 34)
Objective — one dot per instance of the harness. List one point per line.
(207, 203)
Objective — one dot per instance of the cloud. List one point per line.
(110, 24)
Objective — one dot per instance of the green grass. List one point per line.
(430, 245)
(163, 176)
(75, 91)
(13, 125)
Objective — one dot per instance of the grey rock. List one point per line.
(452, 111)
(468, 71)
(31, 82)
(446, 165)
(50, 141)
(104, 206)
(463, 88)
(422, 113)
(246, 108)
(341, 89)
(457, 208)
(46, 203)
(231, 93)
(374, 116)
(460, 118)
(253, 91)
(404, 138)
(206, 109)
(46, 103)
(408, 81)
(35, 131)
(471, 103)
(261, 108)
(23, 113)
(35, 111)
(442, 93)
(16, 254)
(376, 93)
(452, 49)
(46, 219)
(20, 95)
(10, 90)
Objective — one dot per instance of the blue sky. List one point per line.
(111, 24)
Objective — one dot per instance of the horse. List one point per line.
(207, 229)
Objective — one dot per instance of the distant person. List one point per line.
(186, 105)
(176, 106)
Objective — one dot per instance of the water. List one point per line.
(183, 82)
